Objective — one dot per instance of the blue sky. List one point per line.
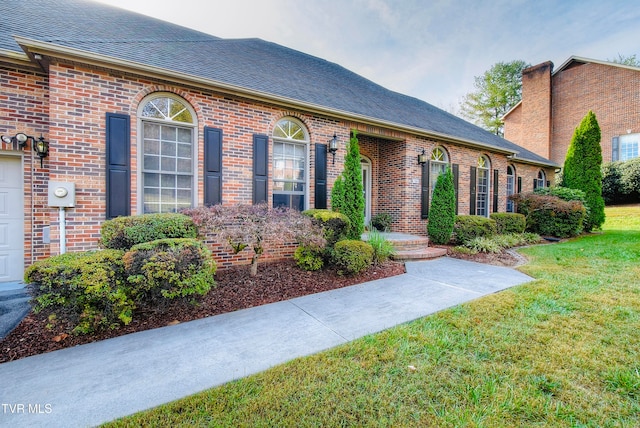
(427, 49)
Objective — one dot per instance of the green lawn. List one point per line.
(563, 350)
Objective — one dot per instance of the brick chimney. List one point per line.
(536, 109)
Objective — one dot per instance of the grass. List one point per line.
(562, 351)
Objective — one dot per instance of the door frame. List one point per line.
(9, 155)
(366, 168)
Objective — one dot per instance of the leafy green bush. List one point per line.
(621, 182)
(509, 222)
(468, 227)
(497, 243)
(122, 233)
(334, 224)
(442, 215)
(630, 179)
(611, 185)
(308, 258)
(352, 256)
(382, 248)
(168, 269)
(482, 244)
(550, 215)
(86, 288)
(382, 222)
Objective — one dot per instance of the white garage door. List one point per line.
(11, 219)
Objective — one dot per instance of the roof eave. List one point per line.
(17, 58)
(594, 61)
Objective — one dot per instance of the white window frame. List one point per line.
(511, 187)
(193, 126)
(439, 162)
(629, 146)
(484, 166)
(541, 180)
(291, 139)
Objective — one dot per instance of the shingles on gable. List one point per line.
(252, 64)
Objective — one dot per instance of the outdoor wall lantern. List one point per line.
(422, 158)
(333, 147)
(20, 140)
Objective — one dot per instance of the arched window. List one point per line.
(290, 172)
(541, 180)
(511, 186)
(439, 163)
(167, 154)
(482, 186)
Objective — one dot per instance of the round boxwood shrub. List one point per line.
(308, 258)
(468, 227)
(352, 256)
(166, 269)
(509, 222)
(334, 224)
(88, 289)
(122, 233)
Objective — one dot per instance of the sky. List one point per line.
(428, 49)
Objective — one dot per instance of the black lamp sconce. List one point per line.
(20, 140)
(333, 147)
(422, 158)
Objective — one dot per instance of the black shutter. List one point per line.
(472, 191)
(535, 183)
(321, 176)
(519, 185)
(260, 168)
(118, 132)
(212, 166)
(456, 176)
(615, 149)
(424, 191)
(496, 187)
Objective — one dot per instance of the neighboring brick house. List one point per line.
(555, 101)
(146, 116)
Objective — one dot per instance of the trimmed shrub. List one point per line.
(550, 215)
(621, 182)
(509, 222)
(122, 233)
(611, 185)
(442, 215)
(308, 258)
(352, 256)
(334, 224)
(382, 248)
(582, 168)
(468, 227)
(382, 222)
(169, 269)
(86, 288)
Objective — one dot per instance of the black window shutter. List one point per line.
(260, 168)
(535, 183)
(118, 186)
(496, 188)
(424, 191)
(472, 191)
(548, 183)
(212, 166)
(456, 175)
(321, 176)
(615, 149)
(519, 185)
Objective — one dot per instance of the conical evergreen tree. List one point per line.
(353, 203)
(337, 195)
(582, 168)
(442, 213)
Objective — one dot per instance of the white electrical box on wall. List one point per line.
(62, 194)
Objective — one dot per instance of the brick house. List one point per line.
(143, 116)
(555, 101)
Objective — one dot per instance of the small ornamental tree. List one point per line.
(442, 213)
(256, 226)
(583, 168)
(337, 195)
(353, 204)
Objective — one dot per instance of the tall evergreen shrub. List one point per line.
(442, 213)
(353, 190)
(582, 168)
(337, 195)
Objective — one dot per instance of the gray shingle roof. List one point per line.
(252, 64)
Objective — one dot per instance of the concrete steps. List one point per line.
(411, 247)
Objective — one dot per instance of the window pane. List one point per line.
(151, 130)
(280, 200)
(168, 164)
(152, 195)
(184, 165)
(184, 150)
(184, 135)
(152, 180)
(184, 182)
(169, 133)
(167, 180)
(152, 163)
(151, 147)
(168, 148)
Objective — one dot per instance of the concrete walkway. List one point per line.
(95, 383)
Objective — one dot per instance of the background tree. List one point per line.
(626, 60)
(353, 202)
(496, 92)
(583, 168)
(442, 213)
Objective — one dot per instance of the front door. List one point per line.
(11, 219)
(365, 164)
